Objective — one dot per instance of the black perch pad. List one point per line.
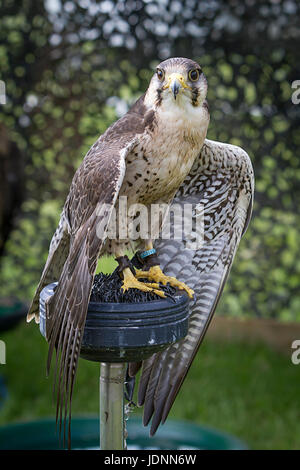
(107, 288)
(127, 326)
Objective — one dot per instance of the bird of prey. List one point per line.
(156, 153)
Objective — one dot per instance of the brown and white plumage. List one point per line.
(222, 181)
(149, 155)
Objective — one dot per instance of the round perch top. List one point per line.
(129, 326)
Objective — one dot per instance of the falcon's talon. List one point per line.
(154, 285)
(155, 274)
(131, 282)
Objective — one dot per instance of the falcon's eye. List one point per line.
(194, 75)
(160, 74)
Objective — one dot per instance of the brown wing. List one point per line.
(222, 181)
(92, 196)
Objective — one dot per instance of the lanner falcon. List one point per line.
(156, 153)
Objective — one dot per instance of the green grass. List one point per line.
(249, 391)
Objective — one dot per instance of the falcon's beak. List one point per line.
(175, 87)
(176, 82)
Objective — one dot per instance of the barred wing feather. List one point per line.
(222, 181)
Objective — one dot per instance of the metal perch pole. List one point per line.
(112, 378)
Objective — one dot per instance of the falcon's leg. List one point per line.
(131, 282)
(152, 271)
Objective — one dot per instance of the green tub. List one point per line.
(85, 435)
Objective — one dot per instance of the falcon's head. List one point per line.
(177, 81)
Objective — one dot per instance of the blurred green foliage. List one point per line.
(247, 390)
(71, 71)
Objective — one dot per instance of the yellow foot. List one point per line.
(130, 282)
(156, 274)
